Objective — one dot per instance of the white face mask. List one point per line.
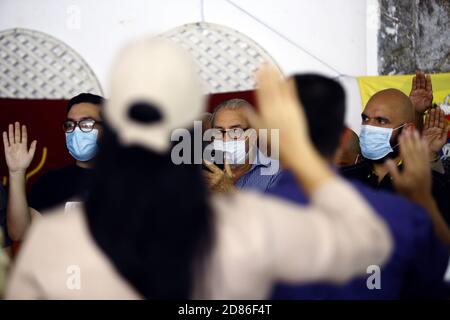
(234, 150)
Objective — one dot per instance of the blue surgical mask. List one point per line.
(82, 145)
(375, 141)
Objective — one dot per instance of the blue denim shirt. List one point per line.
(262, 176)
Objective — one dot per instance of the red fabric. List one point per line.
(43, 119)
(216, 99)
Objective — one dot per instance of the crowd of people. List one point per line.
(288, 204)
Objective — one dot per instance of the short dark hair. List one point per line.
(324, 104)
(85, 98)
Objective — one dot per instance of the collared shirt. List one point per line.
(416, 268)
(440, 184)
(263, 174)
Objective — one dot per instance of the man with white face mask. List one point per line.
(83, 130)
(244, 165)
(385, 116)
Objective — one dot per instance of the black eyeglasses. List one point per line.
(85, 125)
(234, 133)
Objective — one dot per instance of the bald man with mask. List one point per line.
(385, 116)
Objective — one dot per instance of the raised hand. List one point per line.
(435, 130)
(421, 94)
(414, 181)
(18, 156)
(219, 180)
(280, 109)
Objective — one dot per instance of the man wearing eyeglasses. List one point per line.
(83, 130)
(244, 165)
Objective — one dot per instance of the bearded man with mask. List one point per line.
(83, 130)
(244, 165)
(386, 115)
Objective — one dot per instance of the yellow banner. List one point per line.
(371, 85)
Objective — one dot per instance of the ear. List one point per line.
(345, 135)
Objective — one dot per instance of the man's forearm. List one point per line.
(440, 226)
(18, 213)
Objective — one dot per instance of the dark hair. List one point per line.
(324, 104)
(85, 98)
(150, 216)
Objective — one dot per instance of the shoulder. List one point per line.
(356, 170)
(252, 209)
(71, 169)
(238, 209)
(287, 188)
(58, 249)
(390, 203)
(402, 215)
(239, 200)
(267, 165)
(54, 175)
(57, 224)
(47, 242)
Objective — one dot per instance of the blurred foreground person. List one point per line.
(417, 265)
(148, 228)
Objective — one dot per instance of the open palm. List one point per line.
(421, 94)
(414, 181)
(435, 130)
(15, 141)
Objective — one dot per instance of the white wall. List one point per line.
(341, 33)
(333, 30)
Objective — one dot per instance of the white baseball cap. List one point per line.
(160, 77)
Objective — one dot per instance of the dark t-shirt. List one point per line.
(59, 186)
(440, 184)
(3, 199)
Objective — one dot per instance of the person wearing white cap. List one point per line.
(149, 229)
